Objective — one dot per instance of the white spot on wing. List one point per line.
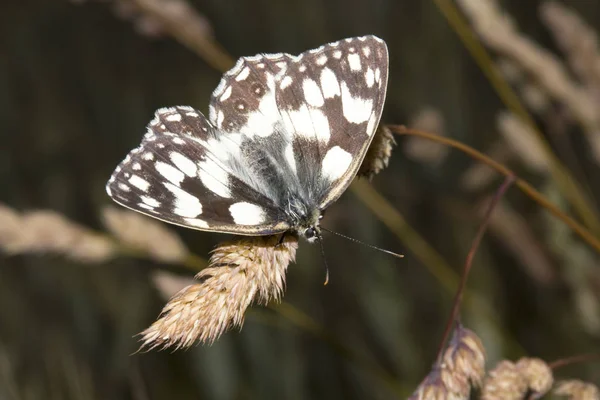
(312, 93)
(336, 163)
(214, 177)
(226, 93)
(186, 205)
(371, 125)
(287, 81)
(243, 74)
(148, 156)
(354, 61)
(244, 213)
(322, 60)
(223, 147)
(309, 123)
(139, 182)
(173, 118)
(145, 206)
(169, 172)
(337, 54)
(370, 77)
(196, 222)
(186, 165)
(329, 84)
(356, 110)
(290, 158)
(124, 187)
(366, 51)
(261, 122)
(150, 201)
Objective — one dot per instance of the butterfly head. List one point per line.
(309, 227)
(312, 233)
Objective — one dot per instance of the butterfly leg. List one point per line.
(281, 239)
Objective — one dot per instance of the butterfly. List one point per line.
(284, 138)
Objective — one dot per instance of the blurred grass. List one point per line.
(565, 181)
(97, 309)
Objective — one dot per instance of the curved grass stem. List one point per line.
(525, 187)
(455, 313)
(565, 182)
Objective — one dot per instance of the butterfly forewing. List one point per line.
(282, 130)
(320, 109)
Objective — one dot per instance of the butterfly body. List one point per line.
(284, 138)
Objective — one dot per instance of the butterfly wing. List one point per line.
(315, 113)
(279, 126)
(179, 175)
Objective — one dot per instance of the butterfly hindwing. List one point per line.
(178, 176)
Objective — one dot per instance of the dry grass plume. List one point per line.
(239, 273)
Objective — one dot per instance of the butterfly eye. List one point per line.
(310, 233)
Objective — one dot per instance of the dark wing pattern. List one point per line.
(320, 109)
(280, 127)
(177, 175)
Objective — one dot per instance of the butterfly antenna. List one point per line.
(363, 243)
(320, 239)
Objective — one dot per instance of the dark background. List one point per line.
(78, 84)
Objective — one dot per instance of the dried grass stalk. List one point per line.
(169, 284)
(462, 367)
(148, 24)
(498, 31)
(512, 381)
(577, 40)
(431, 120)
(49, 232)
(144, 234)
(533, 94)
(577, 390)
(504, 382)
(480, 175)
(538, 375)
(523, 141)
(517, 236)
(379, 153)
(240, 272)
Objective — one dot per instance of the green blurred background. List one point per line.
(80, 80)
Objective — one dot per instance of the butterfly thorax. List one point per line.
(304, 218)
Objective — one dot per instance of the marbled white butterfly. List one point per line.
(284, 138)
